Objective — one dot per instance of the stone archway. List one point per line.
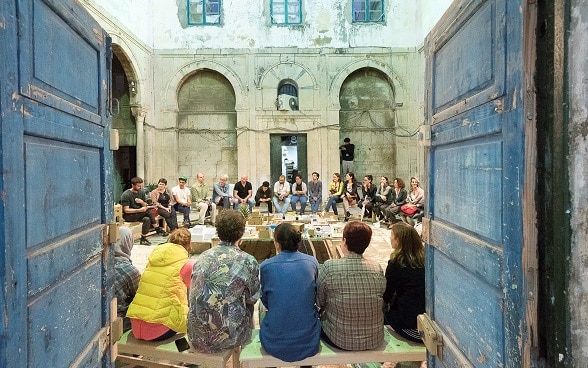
(395, 80)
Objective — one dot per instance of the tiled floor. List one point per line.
(379, 249)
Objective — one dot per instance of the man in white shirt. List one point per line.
(181, 195)
(281, 195)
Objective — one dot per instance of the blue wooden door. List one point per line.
(55, 163)
(476, 174)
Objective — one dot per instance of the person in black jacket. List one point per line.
(405, 282)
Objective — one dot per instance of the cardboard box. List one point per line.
(265, 234)
(118, 214)
(298, 226)
(199, 247)
(255, 221)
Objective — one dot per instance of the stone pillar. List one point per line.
(139, 112)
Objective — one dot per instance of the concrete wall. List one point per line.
(578, 168)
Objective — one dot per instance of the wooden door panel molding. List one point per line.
(60, 318)
(56, 260)
(476, 123)
(458, 299)
(468, 180)
(481, 259)
(55, 164)
(68, 199)
(467, 59)
(476, 162)
(48, 39)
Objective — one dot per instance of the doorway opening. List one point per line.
(288, 156)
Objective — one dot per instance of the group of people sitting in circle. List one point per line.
(345, 302)
(388, 202)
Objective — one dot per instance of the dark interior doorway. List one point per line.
(125, 159)
(288, 156)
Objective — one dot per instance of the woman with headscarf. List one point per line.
(126, 275)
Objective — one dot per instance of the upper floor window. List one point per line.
(368, 11)
(286, 11)
(204, 11)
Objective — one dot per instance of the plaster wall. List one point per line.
(578, 186)
(162, 51)
(254, 77)
(326, 23)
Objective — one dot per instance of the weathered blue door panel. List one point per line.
(55, 163)
(475, 172)
(469, 62)
(51, 33)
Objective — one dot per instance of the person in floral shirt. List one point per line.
(224, 288)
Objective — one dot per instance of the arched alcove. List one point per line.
(206, 124)
(367, 117)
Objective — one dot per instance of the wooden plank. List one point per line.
(394, 349)
(167, 350)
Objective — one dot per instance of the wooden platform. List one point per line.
(152, 354)
(394, 349)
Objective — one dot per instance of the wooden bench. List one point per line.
(154, 354)
(394, 349)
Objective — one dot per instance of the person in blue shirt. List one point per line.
(291, 329)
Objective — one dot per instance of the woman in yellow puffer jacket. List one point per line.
(160, 307)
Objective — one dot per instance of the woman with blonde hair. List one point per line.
(415, 203)
(405, 281)
(160, 307)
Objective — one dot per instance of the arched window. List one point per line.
(287, 95)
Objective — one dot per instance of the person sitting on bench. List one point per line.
(290, 329)
(126, 275)
(405, 281)
(225, 287)
(349, 294)
(160, 307)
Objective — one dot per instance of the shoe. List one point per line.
(144, 241)
(200, 222)
(187, 224)
(346, 218)
(161, 232)
(347, 214)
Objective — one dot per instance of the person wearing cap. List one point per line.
(347, 155)
(264, 194)
(183, 199)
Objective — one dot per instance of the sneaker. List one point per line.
(144, 241)
(161, 232)
(187, 224)
(347, 214)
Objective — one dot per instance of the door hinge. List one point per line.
(431, 335)
(426, 230)
(110, 234)
(115, 330)
(424, 135)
